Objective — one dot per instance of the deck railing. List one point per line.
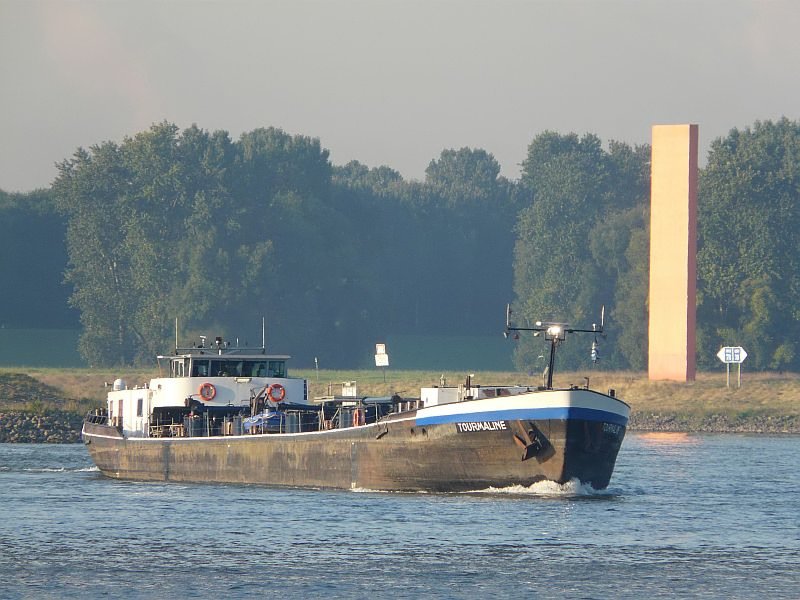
(98, 418)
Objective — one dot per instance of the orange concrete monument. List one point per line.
(673, 253)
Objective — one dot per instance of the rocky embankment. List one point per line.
(64, 427)
(32, 412)
(640, 421)
(54, 426)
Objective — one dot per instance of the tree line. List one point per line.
(216, 232)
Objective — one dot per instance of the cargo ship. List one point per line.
(226, 414)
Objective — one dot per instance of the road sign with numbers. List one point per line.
(732, 355)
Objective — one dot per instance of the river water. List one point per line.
(685, 516)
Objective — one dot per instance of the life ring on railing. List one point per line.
(208, 391)
(357, 417)
(276, 388)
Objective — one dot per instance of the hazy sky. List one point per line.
(387, 81)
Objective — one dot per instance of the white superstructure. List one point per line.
(205, 378)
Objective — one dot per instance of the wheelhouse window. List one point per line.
(237, 368)
(255, 368)
(277, 368)
(200, 368)
(219, 368)
(179, 367)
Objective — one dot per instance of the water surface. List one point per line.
(685, 516)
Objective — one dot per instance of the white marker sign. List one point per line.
(381, 358)
(732, 355)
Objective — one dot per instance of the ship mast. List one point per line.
(555, 333)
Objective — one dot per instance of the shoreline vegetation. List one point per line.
(47, 405)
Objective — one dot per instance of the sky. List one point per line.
(387, 82)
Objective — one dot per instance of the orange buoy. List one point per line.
(276, 392)
(208, 391)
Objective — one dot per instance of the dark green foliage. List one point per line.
(749, 235)
(218, 233)
(579, 246)
(32, 263)
(190, 225)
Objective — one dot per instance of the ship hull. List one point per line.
(471, 446)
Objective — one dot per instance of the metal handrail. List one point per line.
(95, 418)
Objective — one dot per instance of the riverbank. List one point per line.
(51, 427)
(47, 405)
(761, 424)
(34, 412)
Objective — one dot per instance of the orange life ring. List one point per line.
(280, 390)
(357, 417)
(208, 391)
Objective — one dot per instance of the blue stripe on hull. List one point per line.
(517, 414)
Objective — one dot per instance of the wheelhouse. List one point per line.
(203, 365)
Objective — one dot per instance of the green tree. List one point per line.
(555, 278)
(580, 243)
(282, 189)
(88, 191)
(32, 262)
(128, 208)
(471, 240)
(465, 175)
(619, 244)
(382, 236)
(749, 232)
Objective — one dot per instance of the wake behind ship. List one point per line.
(222, 414)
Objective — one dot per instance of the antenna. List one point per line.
(263, 335)
(176, 335)
(595, 354)
(555, 333)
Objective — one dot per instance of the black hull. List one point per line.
(396, 455)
